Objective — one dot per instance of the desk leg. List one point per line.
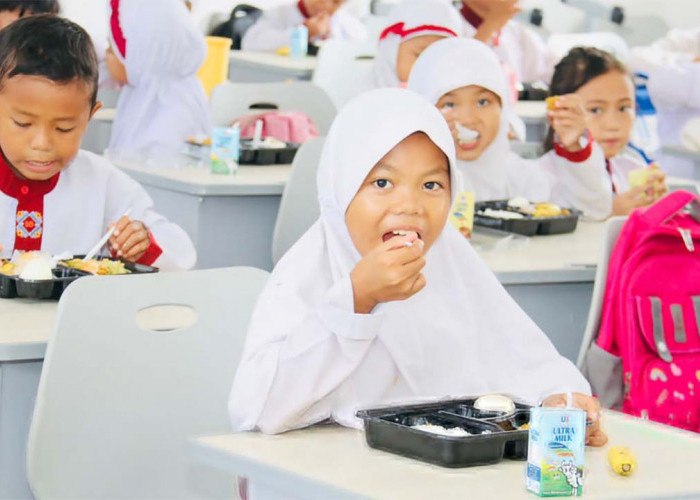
(19, 381)
(559, 309)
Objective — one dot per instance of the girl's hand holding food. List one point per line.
(130, 239)
(568, 119)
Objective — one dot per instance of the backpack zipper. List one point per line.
(687, 238)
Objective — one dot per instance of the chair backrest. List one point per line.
(611, 231)
(231, 100)
(242, 18)
(299, 204)
(119, 399)
(343, 69)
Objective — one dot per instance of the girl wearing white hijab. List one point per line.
(386, 317)
(413, 26)
(156, 50)
(465, 80)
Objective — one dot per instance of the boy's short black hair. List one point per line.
(49, 46)
(30, 6)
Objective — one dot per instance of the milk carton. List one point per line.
(555, 453)
(225, 147)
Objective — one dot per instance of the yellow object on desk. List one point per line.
(462, 214)
(283, 51)
(215, 68)
(622, 461)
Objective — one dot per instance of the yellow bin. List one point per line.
(215, 68)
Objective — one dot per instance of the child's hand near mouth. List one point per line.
(568, 120)
(392, 271)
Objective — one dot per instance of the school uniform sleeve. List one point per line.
(581, 181)
(675, 87)
(679, 46)
(273, 29)
(292, 366)
(171, 249)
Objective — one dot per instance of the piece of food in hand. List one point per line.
(36, 269)
(638, 177)
(551, 102)
(495, 403)
(98, 266)
(622, 461)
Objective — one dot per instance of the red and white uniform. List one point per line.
(71, 211)
(275, 26)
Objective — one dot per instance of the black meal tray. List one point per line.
(390, 429)
(528, 226)
(14, 287)
(266, 156)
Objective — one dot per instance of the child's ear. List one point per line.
(95, 108)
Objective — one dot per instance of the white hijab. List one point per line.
(164, 102)
(462, 334)
(458, 62)
(410, 19)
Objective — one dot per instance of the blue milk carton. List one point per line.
(299, 44)
(555, 454)
(225, 149)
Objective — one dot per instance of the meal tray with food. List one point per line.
(267, 155)
(449, 433)
(539, 218)
(65, 273)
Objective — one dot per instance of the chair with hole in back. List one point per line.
(139, 365)
(231, 100)
(299, 204)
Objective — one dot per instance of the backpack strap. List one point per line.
(667, 207)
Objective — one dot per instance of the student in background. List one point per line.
(53, 196)
(607, 92)
(323, 18)
(413, 26)
(399, 305)
(673, 66)
(473, 99)
(162, 102)
(520, 49)
(11, 10)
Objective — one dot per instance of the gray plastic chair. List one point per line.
(119, 399)
(231, 100)
(299, 204)
(613, 226)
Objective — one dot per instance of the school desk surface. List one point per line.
(25, 327)
(247, 66)
(230, 218)
(334, 462)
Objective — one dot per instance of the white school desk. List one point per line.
(534, 115)
(333, 462)
(246, 66)
(686, 154)
(552, 280)
(25, 327)
(230, 218)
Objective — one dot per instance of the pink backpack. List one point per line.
(651, 312)
(287, 126)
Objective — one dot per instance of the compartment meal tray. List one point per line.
(528, 225)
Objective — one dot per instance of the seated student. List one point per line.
(53, 196)
(399, 305)
(323, 18)
(413, 26)
(606, 89)
(162, 102)
(473, 99)
(11, 10)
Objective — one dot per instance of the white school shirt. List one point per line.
(308, 356)
(90, 194)
(678, 46)
(274, 28)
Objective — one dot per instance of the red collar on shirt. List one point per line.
(20, 189)
(471, 17)
(302, 9)
(116, 27)
(398, 29)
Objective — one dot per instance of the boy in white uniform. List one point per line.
(323, 18)
(53, 196)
